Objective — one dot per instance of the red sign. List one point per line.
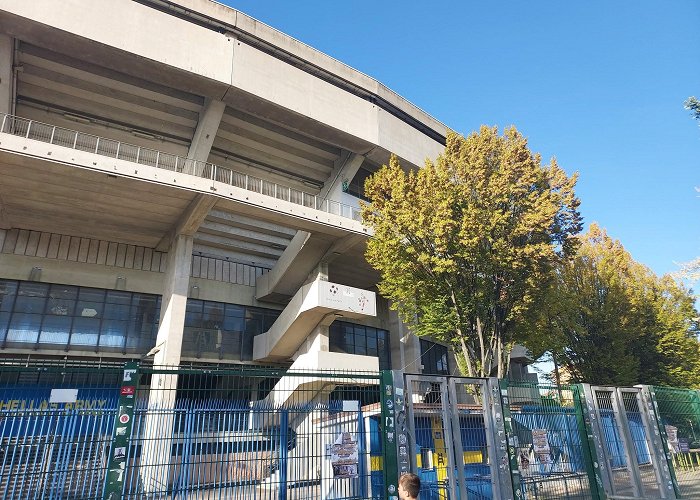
(128, 390)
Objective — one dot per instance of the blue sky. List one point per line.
(598, 84)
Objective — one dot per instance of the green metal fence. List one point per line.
(549, 439)
(679, 422)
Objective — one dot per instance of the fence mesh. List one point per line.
(549, 440)
(679, 411)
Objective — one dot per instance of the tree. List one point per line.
(613, 321)
(692, 104)
(464, 244)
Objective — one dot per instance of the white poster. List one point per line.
(344, 456)
(672, 433)
(540, 445)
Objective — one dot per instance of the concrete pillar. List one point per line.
(174, 303)
(7, 47)
(204, 135)
(156, 454)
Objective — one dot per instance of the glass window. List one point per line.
(433, 358)
(85, 332)
(113, 333)
(31, 297)
(55, 330)
(8, 292)
(362, 340)
(24, 328)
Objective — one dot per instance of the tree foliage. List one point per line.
(613, 321)
(464, 244)
(692, 104)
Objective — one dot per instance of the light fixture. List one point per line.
(76, 118)
(35, 274)
(120, 283)
(143, 135)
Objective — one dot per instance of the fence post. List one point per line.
(121, 435)
(584, 411)
(387, 424)
(505, 442)
(284, 451)
(663, 453)
(4, 119)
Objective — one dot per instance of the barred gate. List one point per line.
(55, 430)
(452, 438)
(629, 444)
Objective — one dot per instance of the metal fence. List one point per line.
(55, 430)
(549, 439)
(111, 148)
(145, 432)
(679, 422)
(108, 431)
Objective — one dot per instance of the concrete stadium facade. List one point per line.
(180, 182)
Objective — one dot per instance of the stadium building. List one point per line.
(180, 183)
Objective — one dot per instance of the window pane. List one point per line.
(113, 333)
(85, 331)
(91, 294)
(231, 345)
(32, 289)
(193, 313)
(89, 309)
(117, 311)
(30, 304)
(55, 330)
(234, 324)
(63, 292)
(233, 310)
(24, 328)
(4, 323)
(8, 292)
(118, 297)
(213, 315)
(59, 305)
(371, 342)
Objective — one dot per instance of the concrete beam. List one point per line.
(7, 48)
(300, 257)
(189, 221)
(207, 127)
(4, 218)
(344, 170)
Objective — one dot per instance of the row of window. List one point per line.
(45, 315)
(50, 316)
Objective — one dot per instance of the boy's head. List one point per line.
(409, 486)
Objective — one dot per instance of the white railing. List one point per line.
(81, 141)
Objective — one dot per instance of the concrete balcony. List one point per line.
(245, 193)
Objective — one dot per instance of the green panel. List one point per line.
(123, 422)
(388, 427)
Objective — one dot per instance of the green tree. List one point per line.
(612, 321)
(465, 244)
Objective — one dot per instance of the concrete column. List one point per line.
(174, 303)
(156, 454)
(7, 47)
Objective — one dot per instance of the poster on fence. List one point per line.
(540, 445)
(672, 434)
(344, 456)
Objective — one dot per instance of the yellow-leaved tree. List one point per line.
(465, 244)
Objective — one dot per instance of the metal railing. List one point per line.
(111, 148)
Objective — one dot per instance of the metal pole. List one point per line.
(53, 132)
(28, 127)
(97, 144)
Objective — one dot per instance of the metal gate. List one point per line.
(453, 428)
(629, 444)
